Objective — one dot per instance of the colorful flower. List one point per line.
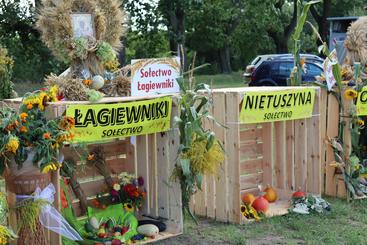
(23, 116)
(12, 145)
(67, 123)
(360, 122)
(29, 106)
(87, 82)
(90, 157)
(116, 187)
(128, 207)
(141, 181)
(53, 93)
(23, 129)
(46, 135)
(51, 166)
(350, 94)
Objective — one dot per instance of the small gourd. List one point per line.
(94, 223)
(248, 198)
(270, 194)
(261, 205)
(148, 230)
(97, 82)
(299, 194)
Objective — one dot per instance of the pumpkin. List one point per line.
(248, 198)
(261, 205)
(270, 194)
(97, 82)
(299, 194)
(148, 230)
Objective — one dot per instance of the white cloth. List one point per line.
(50, 218)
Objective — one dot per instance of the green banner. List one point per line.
(101, 122)
(282, 105)
(361, 105)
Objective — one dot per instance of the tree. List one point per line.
(321, 12)
(212, 34)
(32, 59)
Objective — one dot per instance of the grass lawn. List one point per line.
(345, 224)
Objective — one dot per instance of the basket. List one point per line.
(25, 180)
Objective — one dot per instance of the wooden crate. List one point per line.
(286, 155)
(150, 156)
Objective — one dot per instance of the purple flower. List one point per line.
(135, 182)
(114, 193)
(141, 181)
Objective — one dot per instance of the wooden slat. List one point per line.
(200, 199)
(280, 155)
(210, 180)
(323, 123)
(332, 132)
(175, 222)
(300, 154)
(290, 155)
(233, 151)
(251, 181)
(341, 190)
(221, 197)
(251, 150)
(252, 135)
(141, 151)
(163, 174)
(314, 172)
(251, 166)
(55, 179)
(267, 152)
(153, 179)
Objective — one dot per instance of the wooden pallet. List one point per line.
(150, 156)
(285, 155)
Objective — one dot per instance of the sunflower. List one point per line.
(51, 166)
(360, 122)
(249, 212)
(67, 123)
(54, 90)
(128, 207)
(12, 145)
(350, 94)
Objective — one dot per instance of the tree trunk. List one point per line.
(225, 60)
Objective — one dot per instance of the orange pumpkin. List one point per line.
(270, 194)
(261, 205)
(248, 198)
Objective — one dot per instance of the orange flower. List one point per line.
(23, 129)
(67, 123)
(90, 157)
(46, 135)
(87, 82)
(23, 116)
(30, 106)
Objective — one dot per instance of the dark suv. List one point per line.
(276, 72)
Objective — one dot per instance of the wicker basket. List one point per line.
(24, 181)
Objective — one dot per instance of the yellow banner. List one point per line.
(109, 121)
(361, 106)
(282, 105)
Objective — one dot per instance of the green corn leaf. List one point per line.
(185, 165)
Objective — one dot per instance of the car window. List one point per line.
(255, 61)
(285, 69)
(313, 70)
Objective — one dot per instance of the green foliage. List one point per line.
(32, 60)
(105, 52)
(6, 67)
(29, 130)
(200, 152)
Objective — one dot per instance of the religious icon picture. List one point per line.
(83, 25)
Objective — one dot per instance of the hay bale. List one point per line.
(356, 42)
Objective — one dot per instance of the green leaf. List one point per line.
(185, 165)
(199, 180)
(211, 138)
(302, 19)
